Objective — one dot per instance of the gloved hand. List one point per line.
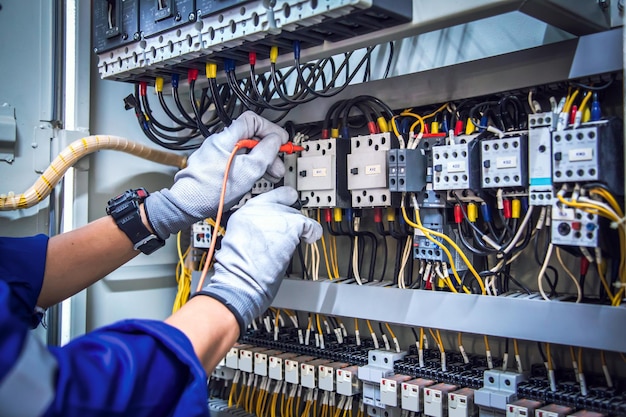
(196, 190)
(260, 239)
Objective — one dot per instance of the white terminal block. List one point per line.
(326, 375)
(292, 368)
(232, 357)
(348, 381)
(522, 408)
(276, 369)
(368, 171)
(261, 361)
(223, 372)
(499, 389)
(461, 403)
(413, 394)
(308, 372)
(436, 399)
(246, 358)
(554, 410)
(390, 389)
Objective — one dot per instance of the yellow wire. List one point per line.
(319, 325)
(421, 338)
(486, 342)
(231, 396)
(570, 101)
(369, 326)
(333, 255)
(580, 360)
(586, 99)
(393, 336)
(427, 233)
(605, 284)
(459, 340)
(326, 261)
(515, 347)
(394, 127)
(419, 121)
(550, 368)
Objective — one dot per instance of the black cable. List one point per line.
(305, 273)
(389, 60)
(171, 115)
(192, 96)
(594, 88)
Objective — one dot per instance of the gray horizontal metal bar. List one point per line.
(521, 69)
(584, 325)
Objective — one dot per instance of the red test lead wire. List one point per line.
(287, 148)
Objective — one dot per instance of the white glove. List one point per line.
(261, 238)
(196, 190)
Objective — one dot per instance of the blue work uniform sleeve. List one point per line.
(131, 368)
(22, 266)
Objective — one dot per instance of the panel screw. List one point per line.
(136, 36)
(178, 17)
(604, 4)
(192, 17)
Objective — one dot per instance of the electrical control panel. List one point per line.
(572, 227)
(540, 158)
(321, 175)
(504, 162)
(456, 167)
(367, 170)
(115, 24)
(589, 153)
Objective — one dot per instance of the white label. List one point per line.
(319, 172)
(456, 166)
(506, 162)
(372, 169)
(581, 154)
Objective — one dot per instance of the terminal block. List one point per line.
(407, 170)
(499, 389)
(348, 381)
(589, 153)
(457, 167)
(390, 388)
(573, 227)
(277, 365)
(261, 361)
(232, 357)
(413, 394)
(554, 410)
(379, 365)
(540, 158)
(261, 186)
(367, 171)
(327, 373)
(246, 358)
(436, 399)
(461, 403)
(321, 174)
(292, 368)
(522, 408)
(504, 162)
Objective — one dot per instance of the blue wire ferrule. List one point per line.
(175, 78)
(296, 49)
(405, 126)
(486, 212)
(524, 204)
(444, 125)
(483, 123)
(350, 215)
(596, 112)
(345, 132)
(229, 65)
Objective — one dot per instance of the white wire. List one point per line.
(520, 230)
(405, 258)
(569, 274)
(542, 272)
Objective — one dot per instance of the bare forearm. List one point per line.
(210, 326)
(77, 259)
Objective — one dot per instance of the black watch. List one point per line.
(125, 211)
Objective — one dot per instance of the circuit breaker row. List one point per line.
(390, 382)
(138, 40)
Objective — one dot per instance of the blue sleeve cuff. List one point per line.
(134, 367)
(22, 266)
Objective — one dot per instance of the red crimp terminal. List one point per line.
(143, 88)
(458, 128)
(378, 215)
(192, 74)
(458, 214)
(327, 216)
(325, 134)
(373, 129)
(507, 209)
(252, 58)
(584, 265)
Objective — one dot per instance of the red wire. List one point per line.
(218, 219)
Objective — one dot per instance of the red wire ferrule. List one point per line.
(143, 88)
(458, 214)
(507, 209)
(252, 58)
(378, 215)
(192, 74)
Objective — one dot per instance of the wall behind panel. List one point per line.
(145, 287)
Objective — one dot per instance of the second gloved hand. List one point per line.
(195, 193)
(261, 238)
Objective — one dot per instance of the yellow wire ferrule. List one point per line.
(273, 54)
(391, 215)
(472, 212)
(211, 70)
(334, 133)
(382, 124)
(337, 214)
(469, 127)
(434, 127)
(516, 208)
(158, 84)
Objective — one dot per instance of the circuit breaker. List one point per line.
(540, 158)
(161, 15)
(115, 24)
(321, 177)
(457, 167)
(367, 170)
(504, 162)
